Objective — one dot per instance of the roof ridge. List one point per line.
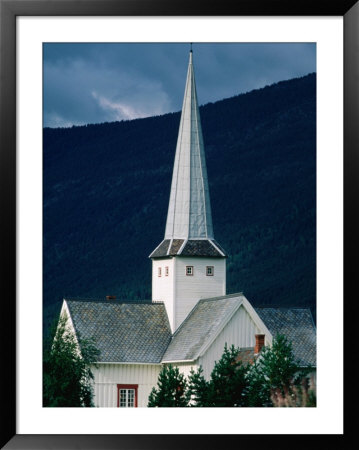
(202, 300)
(222, 297)
(281, 307)
(110, 301)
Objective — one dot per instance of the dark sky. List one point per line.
(94, 83)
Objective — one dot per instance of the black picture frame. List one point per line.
(9, 10)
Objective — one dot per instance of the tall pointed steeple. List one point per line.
(188, 264)
(189, 212)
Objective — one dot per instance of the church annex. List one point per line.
(190, 318)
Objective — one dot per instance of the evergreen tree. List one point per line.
(273, 370)
(171, 389)
(67, 375)
(198, 389)
(228, 380)
(233, 384)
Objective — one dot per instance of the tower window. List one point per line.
(166, 271)
(209, 271)
(159, 272)
(189, 270)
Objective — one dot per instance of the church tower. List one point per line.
(188, 264)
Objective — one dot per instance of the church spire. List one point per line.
(188, 264)
(189, 212)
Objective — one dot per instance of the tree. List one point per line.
(273, 370)
(171, 389)
(67, 375)
(198, 389)
(226, 386)
(271, 377)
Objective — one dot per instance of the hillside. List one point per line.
(106, 192)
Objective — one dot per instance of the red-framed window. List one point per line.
(127, 395)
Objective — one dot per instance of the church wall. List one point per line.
(107, 376)
(190, 289)
(163, 286)
(240, 331)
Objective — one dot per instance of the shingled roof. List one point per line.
(190, 247)
(297, 325)
(209, 316)
(140, 332)
(200, 327)
(123, 332)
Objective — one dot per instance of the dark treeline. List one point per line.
(106, 192)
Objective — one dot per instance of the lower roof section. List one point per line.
(297, 325)
(209, 316)
(123, 332)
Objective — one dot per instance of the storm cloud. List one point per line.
(95, 83)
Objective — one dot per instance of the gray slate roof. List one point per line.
(193, 247)
(140, 332)
(297, 325)
(207, 317)
(124, 332)
(202, 324)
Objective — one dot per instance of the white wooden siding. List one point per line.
(181, 292)
(107, 376)
(190, 289)
(163, 286)
(239, 331)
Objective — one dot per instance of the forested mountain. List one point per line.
(106, 192)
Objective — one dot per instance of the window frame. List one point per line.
(167, 271)
(192, 271)
(212, 270)
(127, 387)
(159, 271)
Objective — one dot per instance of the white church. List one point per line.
(191, 317)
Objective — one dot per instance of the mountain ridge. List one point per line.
(106, 192)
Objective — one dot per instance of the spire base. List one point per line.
(208, 248)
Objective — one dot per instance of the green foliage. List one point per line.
(273, 379)
(227, 381)
(225, 388)
(198, 389)
(67, 376)
(272, 370)
(171, 389)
